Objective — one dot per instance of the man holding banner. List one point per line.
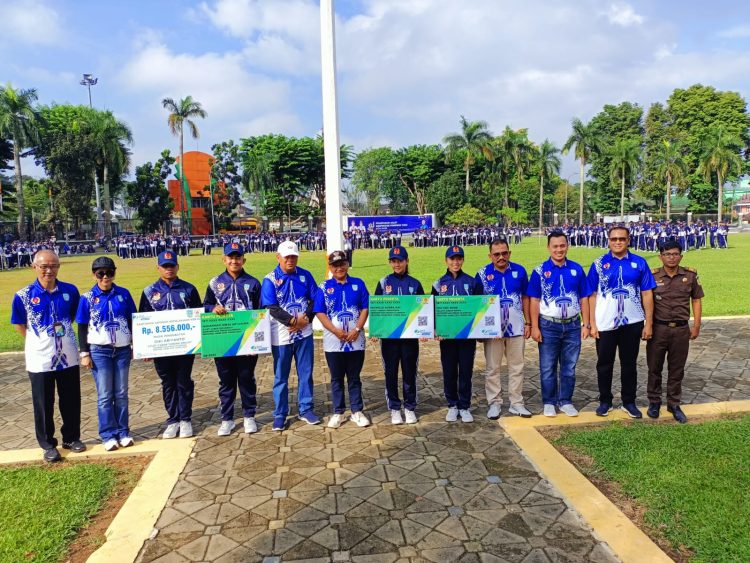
(235, 290)
(168, 293)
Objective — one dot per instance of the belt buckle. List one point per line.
(672, 325)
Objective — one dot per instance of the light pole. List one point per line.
(89, 80)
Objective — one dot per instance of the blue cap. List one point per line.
(166, 258)
(454, 251)
(398, 253)
(233, 248)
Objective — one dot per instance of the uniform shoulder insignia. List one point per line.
(692, 270)
(655, 270)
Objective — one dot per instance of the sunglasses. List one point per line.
(101, 274)
(499, 254)
(618, 239)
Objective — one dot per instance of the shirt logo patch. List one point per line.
(96, 300)
(466, 287)
(182, 295)
(411, 289)
(355, 287)
(35, 300)
(66, 297)
(389, 288)
(547, 274)
(302, 278)
(329, 290)
(633, 265)
(491, 277)
(606, 266)
(443, 288)
(514, 274)
(220, 286)
(573, 273)
(247, 286)
(156, 296)
(279, 282)
(120, 299)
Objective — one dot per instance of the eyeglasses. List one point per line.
(671, 254)
(48, 266)
(499, 254)
(618, 239)
(101, 274)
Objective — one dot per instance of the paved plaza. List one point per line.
(433, 491)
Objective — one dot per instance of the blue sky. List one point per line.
(407, 69)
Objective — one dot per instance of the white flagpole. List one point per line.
(334, 218)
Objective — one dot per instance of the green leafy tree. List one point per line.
(548, 163)
(624, 159)
(182, 113)
(417, 168)
(584, 142)
(446, 194)
(565, 201)
(374, 178)
(720, 155)
(514, 216)
(148, 194)
(507, 151)
(467, 216)
(472, 142)
(226, 180)
(19, 122)
(658, 129)
(671, 167)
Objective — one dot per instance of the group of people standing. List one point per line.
(619, 302)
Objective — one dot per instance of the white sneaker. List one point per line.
(570, 410)
(336, 420)
(171, 431)
(411, 416)
(549, 410)
(360, 419)
(186, 429)
(225, 429)
(493, 413)
(250, 426)
(110, 445)
(466, 415)
(126, 442)
(452, 415)
(396, 417)
(519, 410)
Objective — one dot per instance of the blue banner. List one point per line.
(403, 223)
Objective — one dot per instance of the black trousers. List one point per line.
(626, 341)
(177, 386)
(405, 352)
(346, 365)
(237, 371)
(68, 383)
(457, 359)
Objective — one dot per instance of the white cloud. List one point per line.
(32, 22)
(623, 14)
(736, 32)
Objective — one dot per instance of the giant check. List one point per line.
(157, 334)
(401, 316)
(467, 316)
(237, 333)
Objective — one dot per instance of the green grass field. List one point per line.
(693, 480)
(41, 511)
(723, 273)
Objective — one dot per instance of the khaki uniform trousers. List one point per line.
(512, 350)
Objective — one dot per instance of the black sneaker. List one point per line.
(603, 409)
(632, 410)
(52, 455)
(677, 413)
(75, 446)
(653, 410)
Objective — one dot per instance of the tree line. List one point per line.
(630, 161)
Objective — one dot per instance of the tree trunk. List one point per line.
(22, 234)
(505, 196)
(182, 180)
(669, 196)
(541, 201)
(467, 178)
(98, 203)
(106, 202)
(721, 196)
(622, 196)
(580, 199)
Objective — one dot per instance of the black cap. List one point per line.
(103, 263)
(337, 256)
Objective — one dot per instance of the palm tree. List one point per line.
(549, 163)
(522, 152)
(671, 166)
(507, 153)
(181, 113)
(720, 153)
(19, 121)
(584, 141)
(474, 139)
(625, 155)
(113, 156)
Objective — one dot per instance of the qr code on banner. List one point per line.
(422, 320)
(489, 320)
(260, 336)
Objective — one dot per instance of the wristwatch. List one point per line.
(357, 329)
(84, 355)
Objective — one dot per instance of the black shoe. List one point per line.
(52, 455)
(677, 413)
(653, 410)
(75, 446)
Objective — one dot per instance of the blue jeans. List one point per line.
(560, 346)
(302, 352)
(110, 370)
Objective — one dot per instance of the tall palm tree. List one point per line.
(671, 166)
(474, 139)
(181, 113)
(112, 136)
(549, 163)
(584, 141)
(19, 121)
(720, 153)
(625, 155)
(522, 151)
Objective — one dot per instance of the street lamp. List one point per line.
(89, 80)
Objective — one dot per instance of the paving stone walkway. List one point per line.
(433, 491)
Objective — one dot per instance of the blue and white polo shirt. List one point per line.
(108, 314)
(559, 288)
(343, 304)
(292, 292)
(511, 286)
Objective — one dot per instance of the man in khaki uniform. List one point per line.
(676, 288)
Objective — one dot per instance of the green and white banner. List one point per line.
(401, 316)
(467, 316)
(237, 333)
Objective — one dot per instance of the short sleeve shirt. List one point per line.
(50, 343)
(618, 283)
(108, 315)
(559, 288)
(672, 296)
(511, 285)
(343, 304)
(241, 294)
(292, 292)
